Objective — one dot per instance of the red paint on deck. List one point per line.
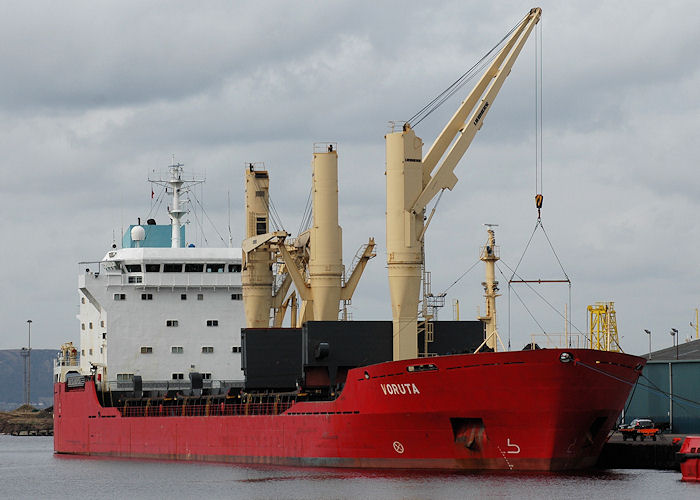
(522, 410)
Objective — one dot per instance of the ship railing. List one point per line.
(128, 385)
(559, 340)
(169, 385)
(58, 362)
(186, 280)
(214, 409)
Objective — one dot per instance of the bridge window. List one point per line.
(146, 296)
(133, 268)
(146, 350)
(215, 268)
(172, 268)
(152, 268)
(119, 296)
(135, 279)
(234, 268)
(178, 376)
(194, 268)
(207, 349)
(176, 349)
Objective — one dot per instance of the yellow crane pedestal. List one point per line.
(603, 327)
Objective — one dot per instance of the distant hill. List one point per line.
(12, 378)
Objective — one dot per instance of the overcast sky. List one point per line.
(96, 95)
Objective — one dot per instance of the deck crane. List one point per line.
(413, 181)
(313, 262)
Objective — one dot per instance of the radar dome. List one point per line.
(138, 233)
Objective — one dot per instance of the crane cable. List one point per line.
(540, 225)
(652, 388)
(307, 215)
(538, 119)
(465, 78)
(201, 222)
(274, 217)
(462, 276)
(533, 290)
(539, 198)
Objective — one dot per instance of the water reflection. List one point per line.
(29, 469)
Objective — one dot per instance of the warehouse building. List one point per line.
(669, 389)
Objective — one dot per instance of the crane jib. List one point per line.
(481, 113)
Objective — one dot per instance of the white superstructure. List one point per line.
(162, 312)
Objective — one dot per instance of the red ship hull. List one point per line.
(523, 410)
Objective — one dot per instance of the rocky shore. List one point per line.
(27, 421)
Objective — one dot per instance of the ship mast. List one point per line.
(175, 211)
(178, 186)
(489, 255)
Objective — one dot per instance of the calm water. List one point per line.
(28, 469)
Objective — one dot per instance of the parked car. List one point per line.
(642, 427)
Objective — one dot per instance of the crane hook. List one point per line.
(538, 204)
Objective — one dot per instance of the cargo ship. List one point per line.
(541, 409)
(411, 393)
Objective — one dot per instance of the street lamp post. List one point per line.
(29, 361)
(674, 334)
(649, 333)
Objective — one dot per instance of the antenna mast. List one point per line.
(179, 185)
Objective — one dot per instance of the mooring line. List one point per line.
(679, 400)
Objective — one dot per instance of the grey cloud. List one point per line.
(94, 96)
